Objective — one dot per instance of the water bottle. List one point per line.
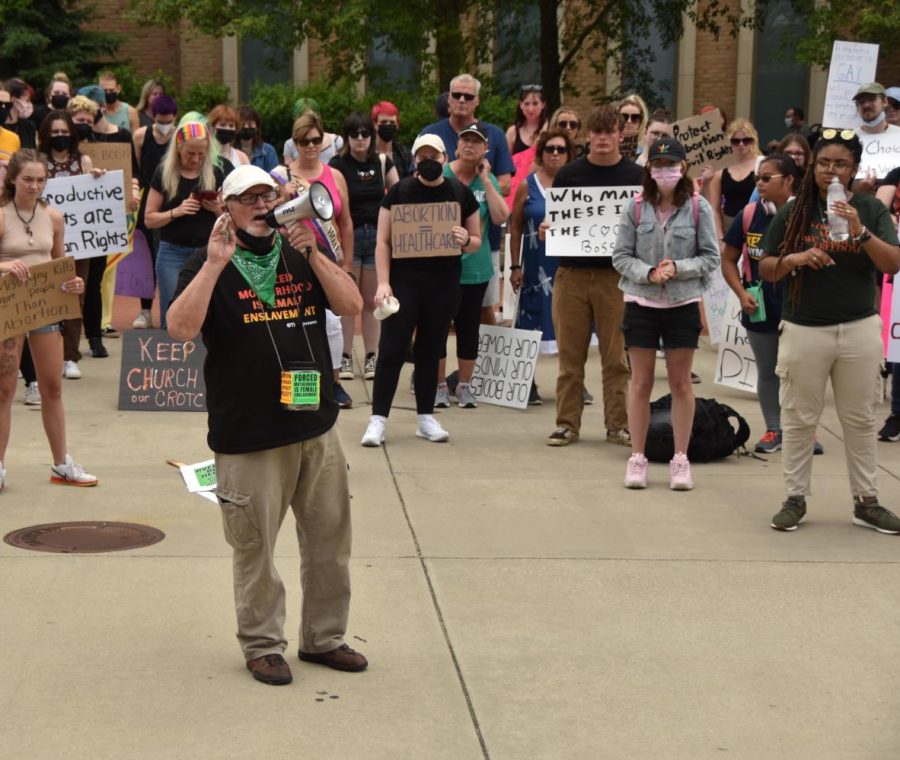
(838, 227)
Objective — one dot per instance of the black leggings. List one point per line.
(93, 302)
(466, 321)
(426, 307)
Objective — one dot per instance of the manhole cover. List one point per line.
(84, 537)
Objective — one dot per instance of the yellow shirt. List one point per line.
(9, 144)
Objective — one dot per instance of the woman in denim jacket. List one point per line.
(665, 251)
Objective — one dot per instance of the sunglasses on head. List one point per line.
(305, 142)
(560, 149)
(634, 118)
(838, 134)
(742, 141)
(563, 124)
(531, 88)
(466, 96)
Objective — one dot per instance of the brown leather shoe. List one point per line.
(342, 658)
(271, 669)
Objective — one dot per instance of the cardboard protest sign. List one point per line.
(160, 374)
(94, 212)
(424, 230)
(715, 304)
(735, 364)
(852, 65)
(39, 301)
(134, 272)
(704, 141)
(505, 366)
(584, 221)
(881, 153)
(111, 156)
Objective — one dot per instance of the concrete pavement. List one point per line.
(514, 600)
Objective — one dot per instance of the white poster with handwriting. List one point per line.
(94, 212)
(735, 364)
(715, 304)
(584, 221)
(852, 65)
(881, 153)
(504, 370)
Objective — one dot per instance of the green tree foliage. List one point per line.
(40, 37)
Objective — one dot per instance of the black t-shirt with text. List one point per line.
(242, 370)
(193, 230)
(365, 186)
(411, 190)
(582, 173)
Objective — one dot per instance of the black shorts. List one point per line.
(645, 327)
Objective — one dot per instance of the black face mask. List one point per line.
(5, 108)
(59, 102)
(430, 169)
(111, 97)
(387, 132)
(60, 142)
(84, 131)
(247, 134)
(257, 245)
(225, 136)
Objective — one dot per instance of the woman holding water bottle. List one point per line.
(830, 250)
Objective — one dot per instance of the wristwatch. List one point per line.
(863, 237)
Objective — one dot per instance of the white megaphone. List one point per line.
(311, 204)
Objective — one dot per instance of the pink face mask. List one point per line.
(666, 177)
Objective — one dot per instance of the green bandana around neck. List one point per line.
(259, 271)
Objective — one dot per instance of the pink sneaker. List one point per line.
(636, 473)
(680, 473)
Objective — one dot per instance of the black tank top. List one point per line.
(151, 156)
(736, 194)
(518, 144)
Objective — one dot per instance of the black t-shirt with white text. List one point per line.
(242, 370)
(365, 186)
(582, 173)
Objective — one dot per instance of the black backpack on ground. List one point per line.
(712, 437)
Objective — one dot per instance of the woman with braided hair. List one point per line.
(830, 327)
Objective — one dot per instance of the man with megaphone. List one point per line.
(258, 298)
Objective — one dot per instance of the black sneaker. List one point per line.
(342, 397)
(793, 512)
(534, 398)
(891, 429)
(868, 513)
(98, 350)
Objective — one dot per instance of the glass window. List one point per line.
(263, 63)
(389, 70)
(658, 89)
(516, 48)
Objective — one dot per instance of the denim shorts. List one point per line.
(364, 247)
(646, 327)
(55, 327)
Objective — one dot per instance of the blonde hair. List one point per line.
(171, 168)
(636, 100)
(742, 125)
(81, 103)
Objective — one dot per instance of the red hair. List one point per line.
(387, 108)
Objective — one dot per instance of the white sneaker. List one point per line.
(71, 371)
(71, 474)
(32, 394)
(142, 321)
(431, 429)
(2, 476)
(374, 435)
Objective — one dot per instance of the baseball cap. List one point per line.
(474, 130)
(431, 141)
(668, 148)
(893, 93)
(243, 178)
(872, 88)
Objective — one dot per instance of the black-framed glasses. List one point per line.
(742, 141)
(563, 124)
(840, 134)
(765, 178)
(560, 149)
(249, 199)
(531, 88)
(823, 164)
(466, 96)
(634, 118)
(305, 142)
(363, 134)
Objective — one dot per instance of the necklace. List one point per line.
(26, 222)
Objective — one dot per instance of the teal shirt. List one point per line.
(478, 266)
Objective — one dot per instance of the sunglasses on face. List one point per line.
(248, 199)
(766, 178)
(466, 96)
(742, 141)
(835, 134)
(823, 164)
(361, 135)
(563, 124)
(634, 118)
(305, 142)
(560, 149)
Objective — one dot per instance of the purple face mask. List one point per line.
(666, 177)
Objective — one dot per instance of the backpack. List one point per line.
(712, 436)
